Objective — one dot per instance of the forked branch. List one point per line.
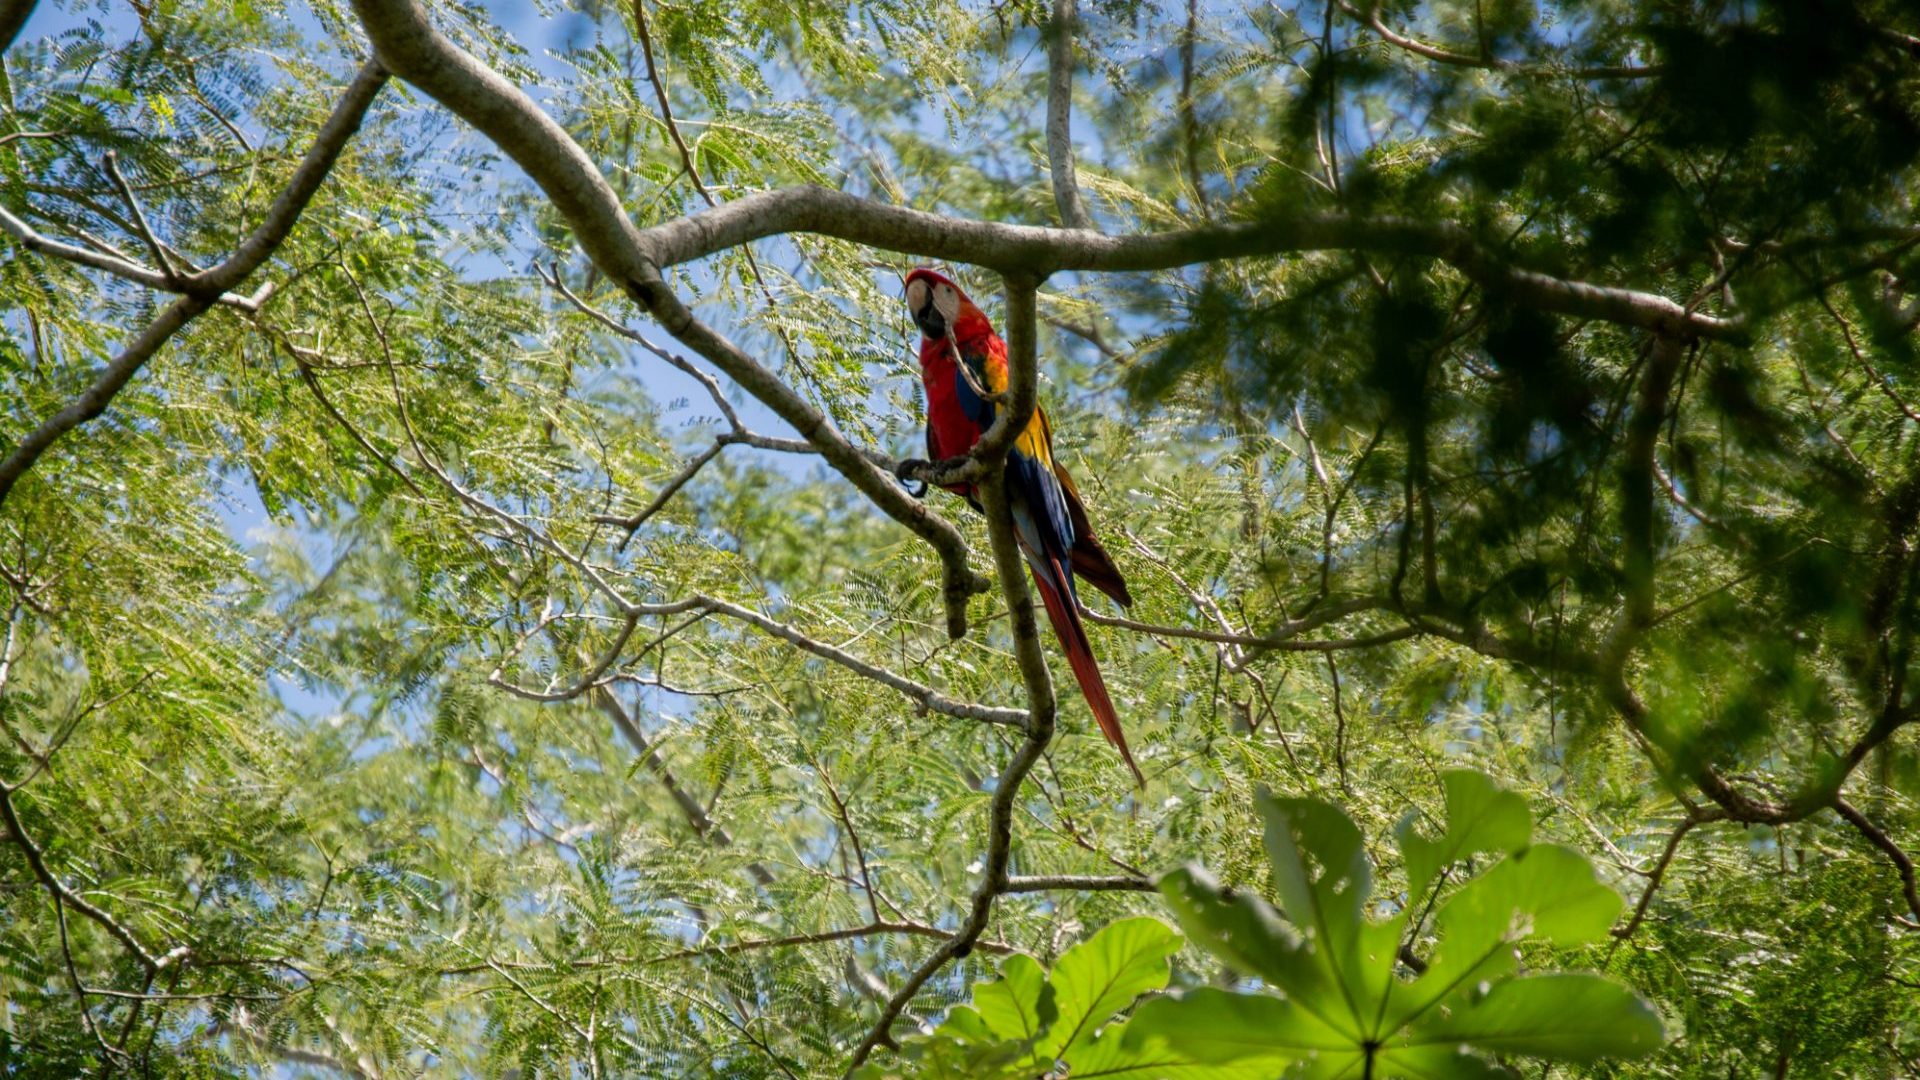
(206, 288)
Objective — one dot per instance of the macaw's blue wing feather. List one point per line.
(971, 376)
(1033, 487)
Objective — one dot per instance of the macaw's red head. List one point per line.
(940, 308)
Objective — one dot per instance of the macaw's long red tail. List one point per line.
(1064, 614)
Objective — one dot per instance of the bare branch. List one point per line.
(292, 201)
(1878, 837)
(94, 400)
(731, 948)
(1659, 871)
(140, 225)
(859, 849)
(1490, 63)
(108, 260)
(703, 826)
(407, 43)
(62, 895)
(242, 1026)
(1022, 376)
(925, 695)
(878, 926)
(593, 678)
(1077, 883)
(667, 491)
(1066, 184)
(1041, 251)
(1281, 640)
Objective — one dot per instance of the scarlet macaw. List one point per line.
(964, 365)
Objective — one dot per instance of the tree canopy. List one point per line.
(461, 616)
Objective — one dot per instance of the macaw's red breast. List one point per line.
(951, 430)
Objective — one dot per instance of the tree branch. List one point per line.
(138, 216)
(63, 895)
(1022, 374)
(242, 1027)
(1066, 184)
(1878, 838)
(204, 289)
(13, 15)
(1078, 883)
(93, 401)
(1446, 56)
(878, 926)
(1027, 249)
(407, 43)
(115, 263)
(703, 826)
(1660, 869)
(731, 948)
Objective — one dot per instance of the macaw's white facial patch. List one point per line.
(916, 295)
(947, 299)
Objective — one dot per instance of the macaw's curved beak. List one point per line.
(925, 314)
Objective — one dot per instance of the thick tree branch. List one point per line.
(1022, 375)
(13, 16)
(1027, 249)
(94, 400)
(960, 582)
(1066, 183)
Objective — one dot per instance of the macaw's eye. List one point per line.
(916, 295)
(947, 299)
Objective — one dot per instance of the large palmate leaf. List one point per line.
(1342, 1010)
(1480, 818)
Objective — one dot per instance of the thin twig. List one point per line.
(1079, 883)
(170, 274)
(1655, 876)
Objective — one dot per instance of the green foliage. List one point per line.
(259, 619)
(1341, 1008)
